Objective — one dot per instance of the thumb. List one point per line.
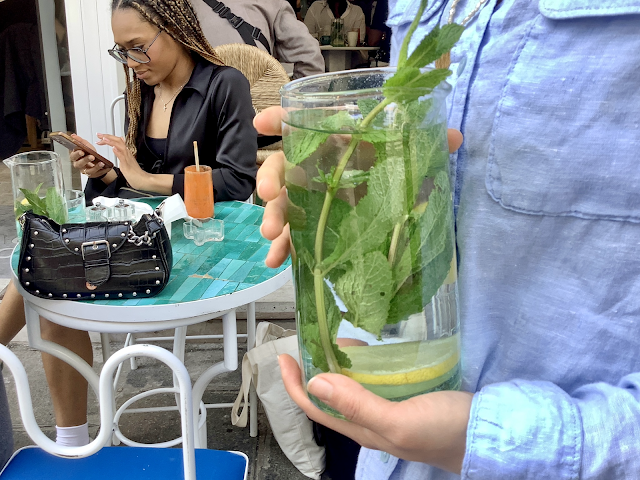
(357, 404)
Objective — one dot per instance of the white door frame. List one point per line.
(96, 77)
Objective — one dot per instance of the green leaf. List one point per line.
(366, 289)
(366, 226)
(300, 143)
(410, 83)
(304, 211)
(56, 208)
(438, 42)
(38, 205)
(425, 259)
(19, 209)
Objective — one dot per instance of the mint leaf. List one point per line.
(424, 260)
(304, 211)
(409, 83)
(300, 143)
(38, 205)
(438, 42)
(56, 208)
(366, 289)
(402, 55)
(366, 227)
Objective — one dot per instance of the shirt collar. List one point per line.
(325, 4)
(201, 75)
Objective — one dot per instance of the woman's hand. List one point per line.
(271, 189)
(87, 163)
(136, 177)
(430, 428)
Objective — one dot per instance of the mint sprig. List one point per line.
(52, 205)
(387, 256)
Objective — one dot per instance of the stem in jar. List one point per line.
(318, 275)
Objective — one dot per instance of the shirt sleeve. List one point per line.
(530, 430)
(294, 44)
(237, 142)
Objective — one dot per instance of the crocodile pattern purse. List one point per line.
(94, 261)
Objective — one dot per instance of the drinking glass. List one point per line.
(75, 206)
(371, 218)
(198, 191)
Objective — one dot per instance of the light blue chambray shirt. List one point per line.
(548, 195)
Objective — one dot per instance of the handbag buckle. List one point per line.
(94, 246)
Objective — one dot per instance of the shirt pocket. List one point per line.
(566, 133)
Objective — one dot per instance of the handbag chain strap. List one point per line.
(139, 240)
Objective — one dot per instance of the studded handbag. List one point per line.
(91, 261)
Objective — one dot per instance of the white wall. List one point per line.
(94, 74)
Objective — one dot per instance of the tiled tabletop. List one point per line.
(215, 268)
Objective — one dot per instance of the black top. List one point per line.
(157, 146)
(214, 108)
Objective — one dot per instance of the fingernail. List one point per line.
(254, 120)
(258, 186)
(101, 164)
(262, 225)
(320, 388)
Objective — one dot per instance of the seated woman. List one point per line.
(180, 93)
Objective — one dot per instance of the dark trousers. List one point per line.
(341, 453)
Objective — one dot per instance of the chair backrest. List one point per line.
(106, 403)
(265, 74)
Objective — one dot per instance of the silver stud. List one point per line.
(106, 295)
(64, 295)
(27, 283)
(157, 268)
(123, 234)
(153, 256)
(76, 249)
(35, 232)
(50, 295)
(148, 291)
(37, 291)
(126, 223)
(135, 294)
(93, 295)
(26, 270)
(120, 295)
(114, 245)
(157, 282)
(28, 259)
(66, 240)
(64, 230)
(31, 245)
(79, 296)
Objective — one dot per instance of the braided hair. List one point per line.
(178, 19)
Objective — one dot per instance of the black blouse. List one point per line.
(215, 109)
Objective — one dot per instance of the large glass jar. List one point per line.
(38, 185)
(370, 210)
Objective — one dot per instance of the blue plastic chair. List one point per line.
(50, 461)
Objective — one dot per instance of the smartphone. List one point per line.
(71, 143)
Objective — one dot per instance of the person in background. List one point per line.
(322, 12)
(547, 228)
(289, 41)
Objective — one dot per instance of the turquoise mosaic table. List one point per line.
(206, 282)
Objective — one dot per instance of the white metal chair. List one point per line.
(96, 461)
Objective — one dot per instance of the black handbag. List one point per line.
(101, 260)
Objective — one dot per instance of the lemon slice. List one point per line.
(402, 363)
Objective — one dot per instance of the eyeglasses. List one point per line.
(136, 54)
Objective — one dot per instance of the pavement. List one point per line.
(266, 459)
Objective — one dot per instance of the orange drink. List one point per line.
(198, 191)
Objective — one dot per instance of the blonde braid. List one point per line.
(178, 19)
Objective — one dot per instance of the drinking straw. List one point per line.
(195, 151)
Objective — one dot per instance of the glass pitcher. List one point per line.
(38, 185)
(337, 32)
